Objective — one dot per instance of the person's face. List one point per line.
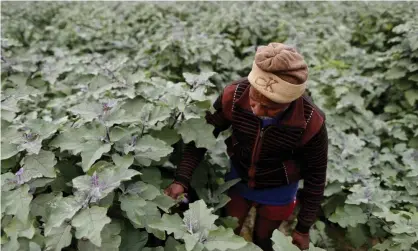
(262, 106)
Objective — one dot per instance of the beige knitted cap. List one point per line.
(279, 72)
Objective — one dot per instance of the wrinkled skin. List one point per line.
(262, 106)
(174, 190)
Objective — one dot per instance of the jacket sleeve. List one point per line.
(192, 156)
(315, 159)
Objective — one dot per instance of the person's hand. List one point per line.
(300, 240)
(174, 190)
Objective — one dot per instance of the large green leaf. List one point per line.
(164, 202)
(42, 163)
(63, 209)
(282, 243)
(132, 239)
(104, 181)
(16, 229)
(349, 215)
(199, 131)
(89, 223)
(223, 239)
(199, 217)
(110, 239)
(173, 224)
(149, 149)
(16, 202)
(87, 111)
(357, 235)
(92, 152)
(151, 175)
(58, 238)
(40, 206)
(8, 150)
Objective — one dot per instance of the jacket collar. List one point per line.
(294, 116)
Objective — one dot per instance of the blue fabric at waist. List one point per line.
(282, 195)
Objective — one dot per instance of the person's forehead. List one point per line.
(258, 97)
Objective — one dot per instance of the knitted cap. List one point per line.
(279, 72)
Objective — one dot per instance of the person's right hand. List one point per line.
(174, 190)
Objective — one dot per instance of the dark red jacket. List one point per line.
(295, 148)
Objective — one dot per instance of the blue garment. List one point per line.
(272, 196)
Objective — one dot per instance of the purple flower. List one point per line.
(19, 176)
(95, 180)
(20, 172)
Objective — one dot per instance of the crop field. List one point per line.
(98, 100)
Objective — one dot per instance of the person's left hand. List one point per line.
(300, 240)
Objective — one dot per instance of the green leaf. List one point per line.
(228, 222)
(249, 247)
(145, 191)
(79, 139)
(173, 224)
(10, 163)
(169, 136)
(153, 249)
(171, 244)
(87, 111)
(16, 228)
(107, 201)
(92, 152)
(411, 96)
(222, 200)
(34, 246)
(396, 73)
(192, 242)
(40, 206)
(63, 209)
(17, 202)
(149, 148)
(199, 131)
(151, 175)
(8, 150)
(132, 239)
(142, 213)
(159, 113)
(164, 202)
(198, 79)
(123, 162)
(282, 243)
(89, 223)
(117, 132)
(332, 188)
(225, 186)
(42, 163)
(357, 235)
(349, 215)
(58, 238)
(199, 217)
(43, 128)
(133, 205)
(222, 239)
(104, 181)
(8, 181)
(110, 236)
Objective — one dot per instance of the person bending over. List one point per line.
(278, 137)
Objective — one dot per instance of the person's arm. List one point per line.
(315, 158)
(192, 156)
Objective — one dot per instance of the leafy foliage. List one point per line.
(98, 100)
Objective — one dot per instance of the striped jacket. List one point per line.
(295, 148)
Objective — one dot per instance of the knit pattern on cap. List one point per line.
(282, 60)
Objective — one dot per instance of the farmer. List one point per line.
(278, 137)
